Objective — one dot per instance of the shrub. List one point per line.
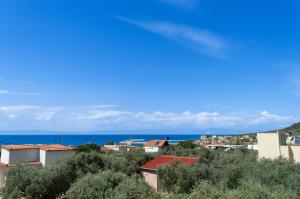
(17, 180)
(125, 162)
(87, 148)
(178, 178)
(206, 190)
(52, 181)
(95, 185)
(134, 188)
(189, 144)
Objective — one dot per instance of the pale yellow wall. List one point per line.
(268, 145)
(293, 154)
(272, 146)
(150, 178)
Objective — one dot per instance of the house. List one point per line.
(272, 145)
(31, 155)
(116, 147)
(50, 154)
(149, 170)
(155, 146)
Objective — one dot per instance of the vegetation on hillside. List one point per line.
(219, 174)
(294, 129)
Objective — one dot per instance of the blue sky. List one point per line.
(159, 64)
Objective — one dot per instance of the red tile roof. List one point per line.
(166, 160)
(20, 147)
(156, 143)
(56, 147)
(53, 147)
(105, 149)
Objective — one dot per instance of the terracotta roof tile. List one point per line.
(20, 147)
(156, 143)
(53, 147)
(166, 160)
(105, 149)
(56, 147)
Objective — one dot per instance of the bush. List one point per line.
(205, 190)
(17, 180)
(95, 186)
(255, 190)
(52, 181)
(178, 178)
(87, 148)
(126, 162)
(189, 144)
(110, 143)
(133, 188)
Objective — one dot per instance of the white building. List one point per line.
(155, 146)
(116, 147)
(31, 155)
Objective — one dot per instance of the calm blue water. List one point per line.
(82, 139)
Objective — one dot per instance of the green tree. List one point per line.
(17, 180)
(134, 188)
(95, 185)
(206, 190)
(53, 181)
(189, 144)
(110, 142)
(87, 148)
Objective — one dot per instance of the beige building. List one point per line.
(278, 144)
(149, 170)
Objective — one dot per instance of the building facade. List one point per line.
(155, 146)
(277, 144)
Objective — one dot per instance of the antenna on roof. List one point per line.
(62, 138)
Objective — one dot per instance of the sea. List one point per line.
(75, 140)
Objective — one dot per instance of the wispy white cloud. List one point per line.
(103, 118)
(26, 82)
(200, 40)
(266, 116)
(182, 3)
(7, 92)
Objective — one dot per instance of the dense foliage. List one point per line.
(86, 148)
(189, 144)
(219, 174)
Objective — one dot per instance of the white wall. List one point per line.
(4, 156)
(151, 149)
(51, 157)
(19, 156)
